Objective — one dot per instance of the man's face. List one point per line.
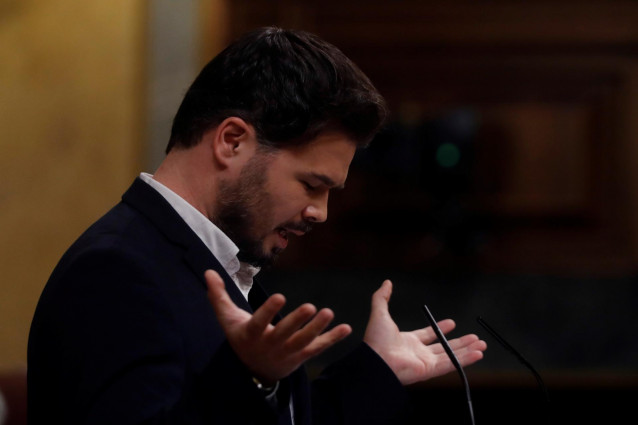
(282, 193)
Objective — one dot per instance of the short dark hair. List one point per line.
(289, 85)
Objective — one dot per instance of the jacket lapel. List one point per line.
(156, 209)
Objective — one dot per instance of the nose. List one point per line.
(317, 211)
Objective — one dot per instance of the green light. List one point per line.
(448, 155)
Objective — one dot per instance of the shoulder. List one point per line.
(122, 237)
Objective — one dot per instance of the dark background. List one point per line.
(503, 187)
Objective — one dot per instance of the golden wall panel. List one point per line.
(70, 113)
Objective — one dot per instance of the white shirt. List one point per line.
(220, 245)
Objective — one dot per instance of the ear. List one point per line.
(233, 141)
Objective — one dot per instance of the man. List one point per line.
(152, 316)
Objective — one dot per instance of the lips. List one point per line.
(282, 241)
(296, 232)
(297, 229)
(287, 229)
(283, 233)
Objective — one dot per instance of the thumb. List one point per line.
(381, 297)
(217, 294)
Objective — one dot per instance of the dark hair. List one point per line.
(289, 85)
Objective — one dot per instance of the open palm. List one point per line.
(413, 356)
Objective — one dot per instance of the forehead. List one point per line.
(326, 157)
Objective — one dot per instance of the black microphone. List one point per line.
(521, 359)
(450, 354)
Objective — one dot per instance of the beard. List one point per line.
(244, 212)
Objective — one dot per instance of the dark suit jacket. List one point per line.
(124, 334)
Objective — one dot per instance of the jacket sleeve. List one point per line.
(105, 348)
(359, 389)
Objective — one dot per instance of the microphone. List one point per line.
(450, 354)
(521, 359)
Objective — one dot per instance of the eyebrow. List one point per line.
(327, 181)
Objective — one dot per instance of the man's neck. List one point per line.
(183, 173)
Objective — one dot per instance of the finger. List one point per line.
(462, 342)
(263, 316)
(325, 341)
(466, 355)
(293, 321)
(467, 341)
(446, 325)
(470, 355)
(381, 297)
(311, 330)
(478, 345)
(217, 294)
(427, 335)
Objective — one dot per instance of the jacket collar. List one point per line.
(148, 202)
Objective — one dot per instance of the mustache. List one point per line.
(303, 226)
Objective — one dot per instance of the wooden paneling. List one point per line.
(549, 89)
(71, 96)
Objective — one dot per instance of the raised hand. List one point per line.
(272, 352)
(411, 355)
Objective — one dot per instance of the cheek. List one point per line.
(287, 197)
(287, 207)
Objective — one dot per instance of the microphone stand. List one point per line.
(521, 359)
(455, 361)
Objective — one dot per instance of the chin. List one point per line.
(263, 259)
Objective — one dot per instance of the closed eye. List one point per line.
(308, 186)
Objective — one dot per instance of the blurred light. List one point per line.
(462, 123)
(448, 155)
